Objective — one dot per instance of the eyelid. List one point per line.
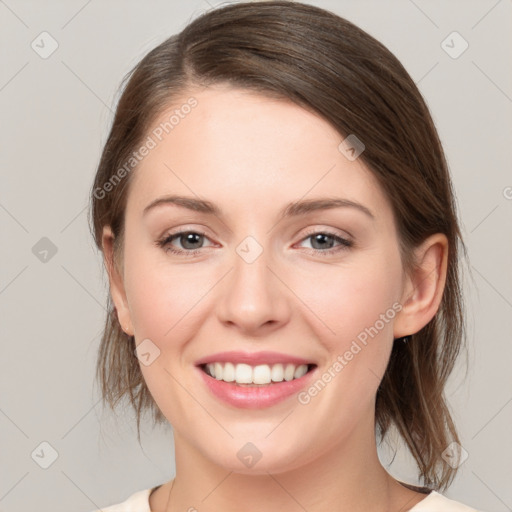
(328, 230)
(175, 234)
(344, 242)
(200, 230)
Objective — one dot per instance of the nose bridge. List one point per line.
(252, 296)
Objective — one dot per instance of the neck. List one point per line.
(348, 476)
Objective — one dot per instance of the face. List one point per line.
(321, 284)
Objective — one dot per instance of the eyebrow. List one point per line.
(291, 210)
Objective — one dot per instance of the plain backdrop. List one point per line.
(56, 110)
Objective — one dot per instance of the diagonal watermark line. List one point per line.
(13, 279)
(485, 15)
(282, 421)
(199, 403)
(508, 508)
(14, 485)
(14, 76)
(14, 424)
(286, 491)
(424, 14)
(14, 218)
(376, 376)
(491, 80)
(84, 288)
(200, 299)
(73, 219)
(80, 419)
(151, 460)
(87, 86)
(217, 486)
(484, 218)
(76, 14)
(502, 296)
(3, 2)
(301, 300)
(506, 403)
(88, 497)
(428, 72)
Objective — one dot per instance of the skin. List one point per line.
(251, 156)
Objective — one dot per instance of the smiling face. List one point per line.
(258, 275)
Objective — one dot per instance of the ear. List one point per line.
(117, 290)
(423, 290)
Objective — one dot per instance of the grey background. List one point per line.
(55, 115)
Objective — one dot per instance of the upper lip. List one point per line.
(252, 358)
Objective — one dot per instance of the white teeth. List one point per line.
(289, 371)
(218, 370)
(261, 374)
(243, 373)
(300, 371)
(228, 373)
(277, 373)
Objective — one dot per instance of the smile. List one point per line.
(259, 375)
(250, 395)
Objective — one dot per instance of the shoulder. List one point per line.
(436, 502)
(137, 502)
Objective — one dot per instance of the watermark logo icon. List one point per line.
(44, 455)
(351, 147)
(454, 45)
(44, 250)
(454, 455)
(249, 455)
(44, 45)
(147, 352)
(249, 249)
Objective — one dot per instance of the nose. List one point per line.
(253, 297)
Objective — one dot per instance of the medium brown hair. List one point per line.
(329, 66)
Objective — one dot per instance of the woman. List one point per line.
(281, 239)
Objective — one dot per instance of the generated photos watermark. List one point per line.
(304, 397)
(151, 142)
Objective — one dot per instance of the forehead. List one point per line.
(249, 150)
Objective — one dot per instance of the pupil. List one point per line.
(321, 238)
(189, 239)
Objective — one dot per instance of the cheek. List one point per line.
(168, 301)
(356, 302)
(352, 298)
(164, 299)
(355, 305)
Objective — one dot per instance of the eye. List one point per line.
(189, 240)
(322, 242)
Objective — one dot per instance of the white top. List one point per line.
(433, 502)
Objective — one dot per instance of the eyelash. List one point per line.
(167, 239)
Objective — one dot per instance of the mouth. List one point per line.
(255, 381)
(246, 375)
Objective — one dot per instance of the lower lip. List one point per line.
(257, 397)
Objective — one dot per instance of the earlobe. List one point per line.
(117, 290)
(424, 288)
